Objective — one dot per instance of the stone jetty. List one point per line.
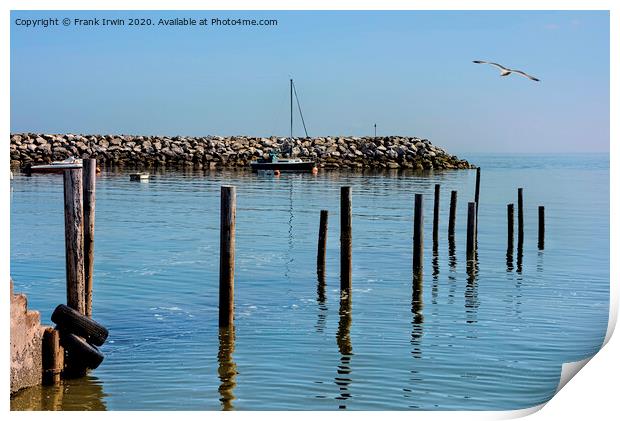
(393, 152)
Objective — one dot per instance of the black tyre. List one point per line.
(72, 321)
(81, 353)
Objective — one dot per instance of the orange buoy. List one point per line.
(276, 173)
(98, 170)
(315, 170)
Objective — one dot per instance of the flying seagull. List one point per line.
(506, 71)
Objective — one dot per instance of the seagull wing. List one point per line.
(492, 64)
(526, 75)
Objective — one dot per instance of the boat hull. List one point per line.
(283, 166)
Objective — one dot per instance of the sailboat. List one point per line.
(273, 163)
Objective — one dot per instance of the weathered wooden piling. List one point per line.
(345, 239)
(477, 196)
(452, 219)
(53, 356)
(436, 216)
(510, 213)
(418, 233)
(228, 214)
(520, 216)
(541, 227)
(74, 239)
(320, 256)
(89, 174)
(471, 230)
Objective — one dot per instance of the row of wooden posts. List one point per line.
(227, 238)
(79, 206)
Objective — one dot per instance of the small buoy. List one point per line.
(98, 170)
(315, 170)
(276, 173)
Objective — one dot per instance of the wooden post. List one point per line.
(74, 239)
(228, 214)
(541, 227)
(418, 233)
(477, 197)
(345, 238)
(510, 210)
(89, 174)
(320, 257)
(471, 229)
(452, 220)
(520, 217)
(53, 356)
(436, 216)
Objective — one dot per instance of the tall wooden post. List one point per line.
(320, 256)
(541, 227)
(345, 239)
(452, 219)
(477, 196)
(228, 214)
(74, 239)
(520, 217)
(471, 230)
(510, 213)
(418, 233)
(436, 216)
(89, 174)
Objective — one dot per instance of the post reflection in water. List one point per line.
(539, 262)
(81, 394)
(321, 302)
(452, 275)
(417, 331)
(227, 369)
(343, 339)
(417, 305)
(520, 256)
(435, 288)
(471, 290)
(509, 263)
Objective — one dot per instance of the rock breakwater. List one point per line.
(395, 152)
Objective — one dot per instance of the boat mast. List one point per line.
(291, 94)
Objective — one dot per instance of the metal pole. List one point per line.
(291, 94)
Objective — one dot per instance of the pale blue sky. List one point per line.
(409, 72)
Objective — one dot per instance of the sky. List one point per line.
(409, 72)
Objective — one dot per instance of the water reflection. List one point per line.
(540, 261)
(471, 290)
(509, 260)
(417, 305)
(435, 264)
(321, 302)
(83, 394)
(452, 274)
(520, 256)
(343, 339)
(227, 369)
(289, 256)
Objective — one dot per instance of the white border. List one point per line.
(592, 394)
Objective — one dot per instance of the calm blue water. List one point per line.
(494, 338)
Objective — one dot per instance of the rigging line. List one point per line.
(299, 106)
